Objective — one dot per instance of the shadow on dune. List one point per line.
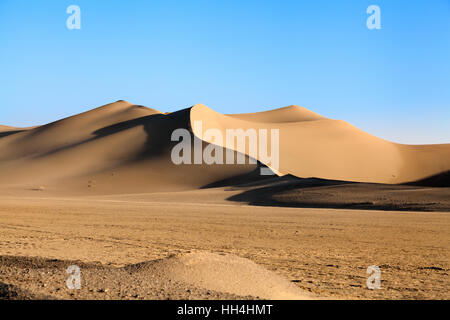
(8, 133)
(127, 147)
(158, 128)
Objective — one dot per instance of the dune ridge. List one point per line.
(125, 148)
(7, 128)
(291, 113)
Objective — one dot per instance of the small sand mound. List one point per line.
(227, 273)
(198, 276)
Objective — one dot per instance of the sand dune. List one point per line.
(125, 148)
(117, 148)
(313, 146)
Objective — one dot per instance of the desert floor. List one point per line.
(322, 251)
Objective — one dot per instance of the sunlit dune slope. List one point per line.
(6, 128)
(313, 146)
(283, 115)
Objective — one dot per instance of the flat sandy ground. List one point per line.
(323, 251)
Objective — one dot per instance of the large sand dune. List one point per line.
(125, 148)
(313, 146)
(117, 148)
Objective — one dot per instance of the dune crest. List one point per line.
(7, 128)
(287, 114)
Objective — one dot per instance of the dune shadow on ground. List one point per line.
(441, 180)
(431, 194)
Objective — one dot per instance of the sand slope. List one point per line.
(313, 146)
(125, 148)
(117, 148)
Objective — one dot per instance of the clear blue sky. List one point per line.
(234, 56)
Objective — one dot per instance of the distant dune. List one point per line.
(6, 128)
(125, 148)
